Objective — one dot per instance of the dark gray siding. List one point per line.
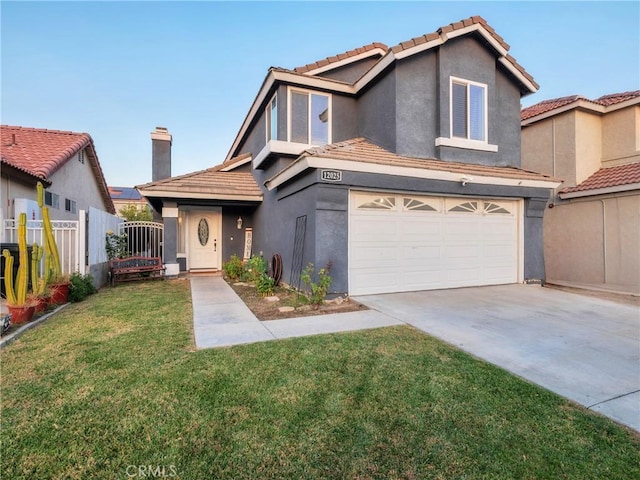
(466, 58)
(344, 125)
(377, 113)
(507, 117)
(417, 106)
(232, 238)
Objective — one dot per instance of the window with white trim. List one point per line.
(468, 110)
(70, 205)
(309, 117)
(52, 199)
(271, 115)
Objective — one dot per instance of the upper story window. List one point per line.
(309, 117)
(52, 199)
(468, 110)
(272, 119)
(468, 116)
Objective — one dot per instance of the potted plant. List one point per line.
(20, 306)
(58, 283)
(40, 292)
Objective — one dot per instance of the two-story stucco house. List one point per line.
(65, 162)
(592, 231)
(399, 166)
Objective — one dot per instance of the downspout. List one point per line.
(604, 244)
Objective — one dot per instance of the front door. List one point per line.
(205, 239)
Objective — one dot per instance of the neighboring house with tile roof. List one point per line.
(592, 233)
(65, 162)
(400, 166)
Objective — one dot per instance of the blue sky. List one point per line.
(119, 69)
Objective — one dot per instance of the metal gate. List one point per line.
(144, 239)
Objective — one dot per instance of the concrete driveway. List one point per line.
(584, 348)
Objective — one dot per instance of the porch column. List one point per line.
(170, 239)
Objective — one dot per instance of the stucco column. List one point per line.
(534, 209)
(170, 239)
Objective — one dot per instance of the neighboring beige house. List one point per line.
(592, 228)
(125, 196)
(65, 162)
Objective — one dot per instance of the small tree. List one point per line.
(318, 284)
(132, 213)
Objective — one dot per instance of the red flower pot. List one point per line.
(21, 314)
(59, 293)
(41, 304)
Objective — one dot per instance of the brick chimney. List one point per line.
(160, 154)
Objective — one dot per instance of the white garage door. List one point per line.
(400, 243)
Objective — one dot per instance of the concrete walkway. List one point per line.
(221, 319)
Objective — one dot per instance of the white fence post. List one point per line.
(82, 242)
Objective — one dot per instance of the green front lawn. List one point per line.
(113, 385)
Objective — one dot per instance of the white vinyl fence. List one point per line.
(66, 233)
(98, 225)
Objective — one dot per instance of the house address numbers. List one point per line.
(331, 175)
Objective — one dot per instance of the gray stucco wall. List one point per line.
(377, 113)
(232, 238)
(467, 59)
(275, 225)
(417, 106)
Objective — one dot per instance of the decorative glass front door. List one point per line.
(205, 239)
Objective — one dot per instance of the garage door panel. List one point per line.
(422, 243)
(380, 230)
(376, 281)
(376, 257)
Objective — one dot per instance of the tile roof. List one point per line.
(211, 183)
(40, 153)
(608, 177)
(341, 56)
(556, 103)
(360, 150)
(614, 98)
(547, 105)
(414, 42)
(231, 163)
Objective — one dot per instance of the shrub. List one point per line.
(320, 288)
(81, 287)
(256, 266)
(234, 268)
(265, 285)
(116, 245)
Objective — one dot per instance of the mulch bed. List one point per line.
(264, 309)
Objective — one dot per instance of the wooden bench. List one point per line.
(135, 268)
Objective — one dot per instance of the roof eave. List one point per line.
(306, 162)
(199, 195)
(599, 191)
